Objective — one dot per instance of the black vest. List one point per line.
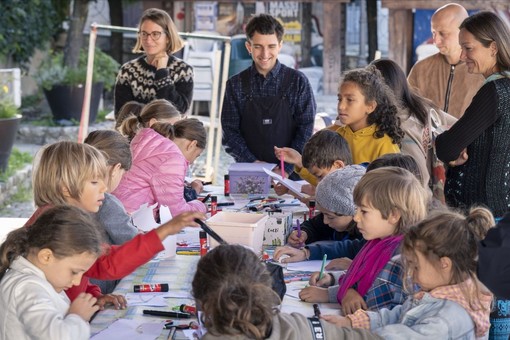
(267, 121)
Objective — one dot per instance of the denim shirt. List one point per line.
(427, 318)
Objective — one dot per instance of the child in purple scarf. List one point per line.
(389, 200)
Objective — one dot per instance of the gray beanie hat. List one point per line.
(334, 192)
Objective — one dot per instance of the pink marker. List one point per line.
(298, 225)
(282, 161)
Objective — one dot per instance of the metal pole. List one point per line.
(224, 77)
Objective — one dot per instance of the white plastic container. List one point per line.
(239, 228)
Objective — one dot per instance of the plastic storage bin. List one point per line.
(250, 178)
(239, 228)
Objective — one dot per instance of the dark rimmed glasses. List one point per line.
(155, 35)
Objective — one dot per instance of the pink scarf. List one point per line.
(369, 262)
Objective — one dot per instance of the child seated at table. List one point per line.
(157, 111)
(37, 265)
(389, 200)
(440, 257)
(161, 158)
(343, 252)
(325, 152)
(233, 290)
(74, 174)
(334, 201)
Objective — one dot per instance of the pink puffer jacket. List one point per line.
(157, 175)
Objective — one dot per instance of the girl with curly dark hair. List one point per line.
(368, 109)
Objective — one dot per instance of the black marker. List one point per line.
(224, 204)
(209, 231)
(206, 183)
(206, 198)
(167, 314)
(316, 310)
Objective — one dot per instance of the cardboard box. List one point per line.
(250, 178)
(277, 228)
(239, 228)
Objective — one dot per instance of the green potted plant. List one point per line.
(9, 123)
(64, 87)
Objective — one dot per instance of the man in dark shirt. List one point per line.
(268, 104)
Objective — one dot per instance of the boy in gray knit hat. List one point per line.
(334, 200)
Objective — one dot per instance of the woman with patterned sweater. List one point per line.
(157, 74)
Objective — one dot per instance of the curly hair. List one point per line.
(233, 289)
(372, 85)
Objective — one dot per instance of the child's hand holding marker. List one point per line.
(326, 280)
(295, 241)
(298, 227)
(293, 254)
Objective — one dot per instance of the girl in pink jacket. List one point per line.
(161, 157)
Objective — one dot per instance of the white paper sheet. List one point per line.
(123, 329)
(307, 266)
(293, 186)
(146, 299)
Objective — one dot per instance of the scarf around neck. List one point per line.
(369, 262)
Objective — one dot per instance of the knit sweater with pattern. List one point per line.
(483, 130)
(139, 81)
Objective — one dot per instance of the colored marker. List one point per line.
(324, 258)
(282, 165)
(298, 227)
(316, 310)
(206, 198)
(149, 288)
(188, 252)
(167, 314)
(224, 204)
(188, 309)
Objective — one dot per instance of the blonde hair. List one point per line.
(163, 19)
(453, 235)
(392, 189)
(66, 165)
(157, 109)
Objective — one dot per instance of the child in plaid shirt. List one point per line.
(389, 200)
(450, 303)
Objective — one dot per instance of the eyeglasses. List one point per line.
(154, 35)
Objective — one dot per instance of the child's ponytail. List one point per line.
(164, 129)
(479, 221)
(16, 244)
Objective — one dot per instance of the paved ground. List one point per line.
(325, 104)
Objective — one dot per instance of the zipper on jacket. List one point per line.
(448, 88)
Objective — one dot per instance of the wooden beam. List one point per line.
(400, 27)
(332, 63)
(435, 4)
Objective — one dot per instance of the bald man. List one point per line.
(443, 77)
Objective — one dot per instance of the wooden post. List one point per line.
(400, 26)
(332, 63)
